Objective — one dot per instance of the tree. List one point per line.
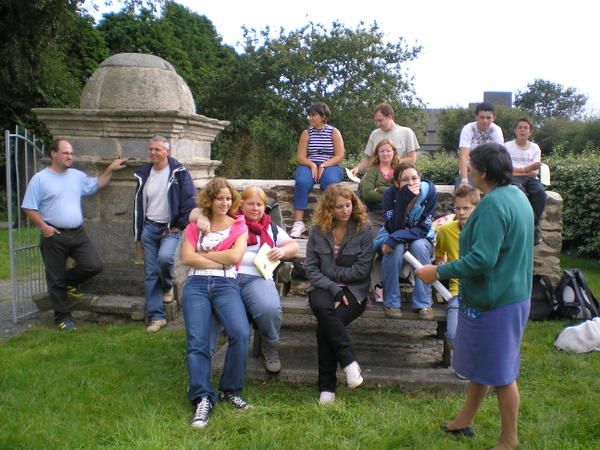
(280, 74)
(546, 99)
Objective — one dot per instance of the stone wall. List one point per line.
(547, 254)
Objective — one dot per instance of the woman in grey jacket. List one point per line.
(339, 256)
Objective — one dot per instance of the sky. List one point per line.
(468, 46)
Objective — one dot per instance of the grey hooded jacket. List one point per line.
(352, 265)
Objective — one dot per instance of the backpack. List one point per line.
(575, 300)
(273, 210)
(543, 301)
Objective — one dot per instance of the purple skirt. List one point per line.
(487, 348)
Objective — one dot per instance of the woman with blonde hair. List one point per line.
(259, 294)
(211, 288)
(339, 255)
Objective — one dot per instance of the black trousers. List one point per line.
(55, 251)
(333, 344)
(535, 192)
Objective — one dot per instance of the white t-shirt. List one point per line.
(155, 195)
(247, 265)
(522, 157)
(471, 137)
(205, 244)
(403, 138)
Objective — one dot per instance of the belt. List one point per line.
(160, 224)
(62, 230)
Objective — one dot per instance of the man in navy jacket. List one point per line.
(164, 197)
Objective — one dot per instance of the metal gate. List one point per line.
(23, 160)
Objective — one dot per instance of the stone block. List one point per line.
(105, 149)
(113, 240)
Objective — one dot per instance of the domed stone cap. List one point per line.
(137, 81)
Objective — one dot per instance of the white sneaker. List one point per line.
(297, 229)
(326, 398)
(353, 378)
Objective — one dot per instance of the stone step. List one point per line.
(411, 361)
(130, 307)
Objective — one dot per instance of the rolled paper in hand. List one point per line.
(445, 293)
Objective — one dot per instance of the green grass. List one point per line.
(118, 387)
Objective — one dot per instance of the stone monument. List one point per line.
(128, 99)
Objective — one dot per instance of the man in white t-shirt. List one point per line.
(526, 159)
(164, 197)
(482, 131)
(403, 138)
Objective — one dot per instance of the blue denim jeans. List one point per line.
(221, 296)
(159, 251)
(391, 265)
(262, 301)
(305, 182)
(452, 319)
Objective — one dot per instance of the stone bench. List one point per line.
(299, 305)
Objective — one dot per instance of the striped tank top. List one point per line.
(320, 144)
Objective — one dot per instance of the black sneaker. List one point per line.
(237, 401)
(66, 325)
(204, 408)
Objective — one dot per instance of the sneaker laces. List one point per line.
(270, 352)
(238, 402)
(202, 410)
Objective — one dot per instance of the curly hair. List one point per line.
(324, 217)
(210, 192)
(375, 158)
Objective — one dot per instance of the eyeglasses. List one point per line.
(408, 179)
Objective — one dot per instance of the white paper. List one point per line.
(351, 176)
(445, 293)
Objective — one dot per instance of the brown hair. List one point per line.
(375, 159)
(401, 168)
(527, 120)
(324, 212)
(56, 143)
(210, 192)
(468, 192)
(385, 109)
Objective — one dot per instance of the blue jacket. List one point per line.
(181, 195)
(397, 222)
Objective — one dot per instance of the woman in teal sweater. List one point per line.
(380, 175)
(495, 271)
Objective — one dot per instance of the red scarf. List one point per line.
(260, 229)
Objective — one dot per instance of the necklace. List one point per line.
(338, 235)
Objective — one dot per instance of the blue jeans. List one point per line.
(452, 319)
(391, 265)
(305, 182)
(159, 250)
(261, 300)
(221, 296)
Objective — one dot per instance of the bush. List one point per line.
(439, 167)
(577, 180)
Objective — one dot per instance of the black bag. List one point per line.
(575, 300)
(543, 301)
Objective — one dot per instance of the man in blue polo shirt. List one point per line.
(53, 204)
